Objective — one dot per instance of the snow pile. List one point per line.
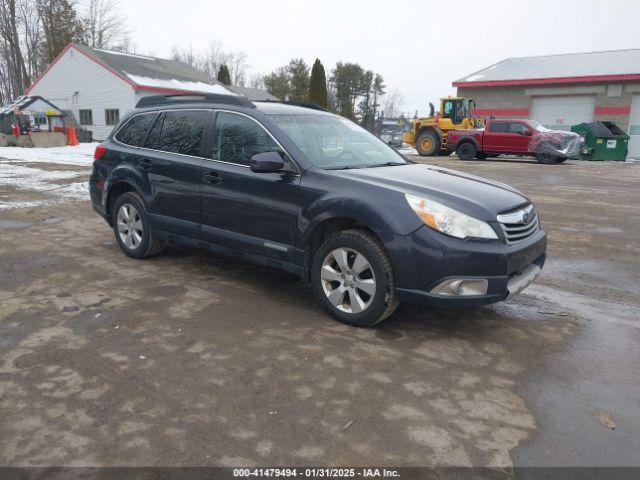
(174, 84)
(21, 177)
(81, 155)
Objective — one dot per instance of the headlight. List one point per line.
(449, 221)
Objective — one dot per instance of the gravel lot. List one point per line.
(192, 359)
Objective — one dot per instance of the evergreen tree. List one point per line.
(223, 75)
(318, 85)
(298, 73)
(277, 83)
(60, 27)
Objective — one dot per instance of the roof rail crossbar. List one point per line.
(172, 99)
(313, 106)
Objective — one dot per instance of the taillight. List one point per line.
(100, 151)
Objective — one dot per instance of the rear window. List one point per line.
(498, 127)
(180, 132)
(134, 130)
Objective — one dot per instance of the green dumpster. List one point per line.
(602, 141)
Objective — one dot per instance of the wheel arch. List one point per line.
(467, 139)
(322, 230)
(115, 190)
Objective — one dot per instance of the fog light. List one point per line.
(462, 287)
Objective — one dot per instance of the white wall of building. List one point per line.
(76, 82)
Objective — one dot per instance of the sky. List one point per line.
(419, 47)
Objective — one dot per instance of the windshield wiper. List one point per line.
(340, 168)
(386, 164)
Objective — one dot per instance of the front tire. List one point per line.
(352, 278)
(466, 151)
(131, 227)
(427, 143)
(546, 158)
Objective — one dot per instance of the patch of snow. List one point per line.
(174, 84)
(79, 155)
(28, 178)
(475, 77)
(22, 177)
(21, 204)
(79, 190)
(124, 54)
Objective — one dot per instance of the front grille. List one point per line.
(519, 224)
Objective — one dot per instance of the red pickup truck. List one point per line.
(514, 137)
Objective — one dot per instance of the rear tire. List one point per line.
(427, 143)
(131, 227)
(352, 278)
(466, 151)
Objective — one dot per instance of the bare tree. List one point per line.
(392, 103)
(104, 24)
(15, 78)
(210, 60)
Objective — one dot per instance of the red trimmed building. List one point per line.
(99, 86)
(562, 90)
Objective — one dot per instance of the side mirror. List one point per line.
(528, 133)
(266, 162)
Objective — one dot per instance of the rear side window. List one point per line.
(238, 138)
(135, 130)
(498, 127)
(180, 132)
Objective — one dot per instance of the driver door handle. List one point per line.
(212, 177)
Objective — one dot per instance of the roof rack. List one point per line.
(154, 100)
(313, 106)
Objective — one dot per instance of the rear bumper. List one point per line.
(427, 259)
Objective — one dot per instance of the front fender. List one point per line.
(468, 139)
(386, 219)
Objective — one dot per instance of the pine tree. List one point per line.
(223, 75)
(318, 85)
(60, 27)
(298, 72)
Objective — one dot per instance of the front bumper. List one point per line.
(427, 259)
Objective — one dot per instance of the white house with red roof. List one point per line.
(100, 86)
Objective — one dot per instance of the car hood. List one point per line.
(476, 196)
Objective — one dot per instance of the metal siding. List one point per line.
(634, 128)
(593, 64)
(561, 113)
(97, 89)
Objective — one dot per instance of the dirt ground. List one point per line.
(192, 359)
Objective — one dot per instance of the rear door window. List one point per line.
(238, 138)
(180, 131)
(135, 130)
(498, 127)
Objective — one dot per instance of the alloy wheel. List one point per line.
(348, 280)
(129, 226)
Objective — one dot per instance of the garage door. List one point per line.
(634, 128)
(561, 113)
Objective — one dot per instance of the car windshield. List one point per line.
(333, 142)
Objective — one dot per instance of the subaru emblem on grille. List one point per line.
(525, 217)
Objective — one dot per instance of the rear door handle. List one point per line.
(212, 177)
(145, 164)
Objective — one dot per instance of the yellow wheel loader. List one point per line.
(428, 135)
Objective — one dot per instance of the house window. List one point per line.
(40, 120)
(111, 116)
(86, 117)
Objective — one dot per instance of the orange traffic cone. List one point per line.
(72, 139)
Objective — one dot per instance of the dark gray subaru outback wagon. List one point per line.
(304, 190)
